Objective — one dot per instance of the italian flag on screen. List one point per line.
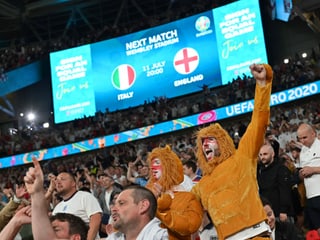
(123, 77)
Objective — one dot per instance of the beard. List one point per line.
(211, 154)
(117, 222)
(208, 166)
(61, 192)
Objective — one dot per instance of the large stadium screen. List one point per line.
(171, 60)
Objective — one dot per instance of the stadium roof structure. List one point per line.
(40, 20)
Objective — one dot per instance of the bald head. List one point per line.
(266, 154)
(306, 134)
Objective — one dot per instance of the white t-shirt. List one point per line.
(187, 183)
(311, 157)
(82, 204)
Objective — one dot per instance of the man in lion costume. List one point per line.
(228, 189)
(178, 209)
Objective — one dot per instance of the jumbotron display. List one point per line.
(171, 60)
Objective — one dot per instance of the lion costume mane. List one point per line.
(172, 169)
(179, 211)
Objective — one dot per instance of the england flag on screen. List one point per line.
(186, 60)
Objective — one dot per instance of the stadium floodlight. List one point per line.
(31, 116)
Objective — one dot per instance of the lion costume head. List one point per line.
(172, 169)
(224, 141)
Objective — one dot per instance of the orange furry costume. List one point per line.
(229, 190)
(179, 211)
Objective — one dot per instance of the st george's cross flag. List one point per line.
(123, 77)
(186, 60)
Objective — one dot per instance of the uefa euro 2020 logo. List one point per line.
(202, 24)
